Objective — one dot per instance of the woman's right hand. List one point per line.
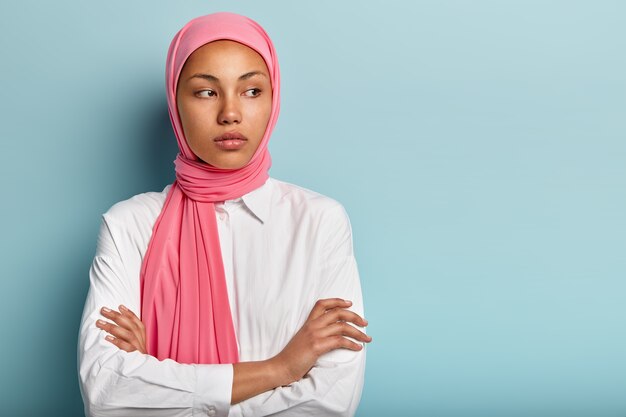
(128, 333)
(325, 329)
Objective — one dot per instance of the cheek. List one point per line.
(263, 113)
(184, 116)
(192, 129)
(194, 119)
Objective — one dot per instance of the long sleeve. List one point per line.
(283, 248)
(333, 386)
(117, 383)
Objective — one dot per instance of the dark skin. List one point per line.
(237, 98)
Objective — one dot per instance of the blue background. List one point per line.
(478, 146)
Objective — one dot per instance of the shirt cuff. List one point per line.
(214, 386)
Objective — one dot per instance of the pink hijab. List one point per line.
(184, 299)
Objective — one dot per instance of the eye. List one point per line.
(209, 93)
(253, 92)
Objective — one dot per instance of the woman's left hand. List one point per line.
(128, 333)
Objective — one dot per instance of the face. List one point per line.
(224, 99)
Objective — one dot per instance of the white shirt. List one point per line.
(283, 248)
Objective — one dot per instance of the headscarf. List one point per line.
(184, 298)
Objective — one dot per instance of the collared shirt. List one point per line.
(283, 248)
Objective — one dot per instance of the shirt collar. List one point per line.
(258, 200)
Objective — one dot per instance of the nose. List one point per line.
(230, 113)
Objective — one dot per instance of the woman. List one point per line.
(241, 281)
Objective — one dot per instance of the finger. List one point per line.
(117, 331)
(141, 329)
(110, 314)
(138, 328)
(338, 314)
(123, 345)
(125, 311)
(322, 305)
(120, 319)
(126, 319)
(342, 328)
(336, 342)
(105, 325)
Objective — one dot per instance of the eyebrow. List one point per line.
(213, 78)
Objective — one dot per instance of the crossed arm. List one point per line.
(318, 372)
(325, 329)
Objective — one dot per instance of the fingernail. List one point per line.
(106, 310)
(348, 301)
(122, 308)
(109, 338)
(101, 322)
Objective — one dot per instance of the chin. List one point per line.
(226, 163)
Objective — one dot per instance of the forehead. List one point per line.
(224, 54)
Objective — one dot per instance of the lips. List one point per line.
(230, 141)
(230, 136)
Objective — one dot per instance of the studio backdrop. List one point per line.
(479, 148)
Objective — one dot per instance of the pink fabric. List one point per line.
(184, 299)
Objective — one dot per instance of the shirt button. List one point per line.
(222, 216)
(211, 411)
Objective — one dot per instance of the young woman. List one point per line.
(246, 288)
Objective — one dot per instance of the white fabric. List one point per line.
(283, 248)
